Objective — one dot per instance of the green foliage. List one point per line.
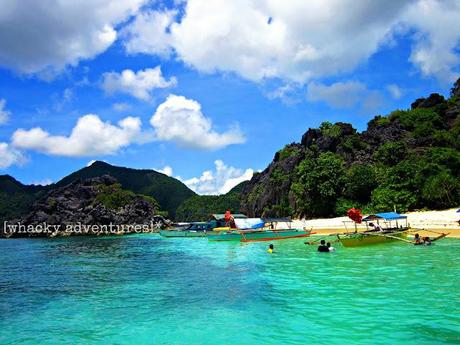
(441, 190)
(115, 197)
(16, 199)
(289, 151)
(385, 199)
(390, 153)
(421, 122)
(330, 130)
(320, 182)
(200, 207)
(361, 181)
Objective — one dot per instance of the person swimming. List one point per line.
(322, 247)
(271, 248)
(417, 240)
(329, 247)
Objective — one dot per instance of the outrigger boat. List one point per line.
(258, 229)
(391, 230)
(389, 222)
(200, 229)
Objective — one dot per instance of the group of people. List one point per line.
(421, 240)
(325, 247)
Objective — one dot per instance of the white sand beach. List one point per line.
(445, 221)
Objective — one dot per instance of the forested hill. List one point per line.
(168, 191)
(17, 199)
(409, 159)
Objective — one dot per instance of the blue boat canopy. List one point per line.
(458, 210)
(385, 216)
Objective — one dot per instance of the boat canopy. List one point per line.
(458, 211)
(249, 223)
(221, 216)
(385, 216)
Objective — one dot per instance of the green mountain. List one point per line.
(199, 207)
(168, 191)
(16, 199)
(408, 159)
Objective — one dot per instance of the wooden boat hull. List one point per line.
(259, 236)
(185, 233)
(360, 239)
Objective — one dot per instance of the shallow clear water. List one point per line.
(144, 289)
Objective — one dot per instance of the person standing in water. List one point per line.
(329, 247)
(271, 248)
(322, 247)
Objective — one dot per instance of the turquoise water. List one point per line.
(144, 289)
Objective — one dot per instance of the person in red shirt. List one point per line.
(229, 219)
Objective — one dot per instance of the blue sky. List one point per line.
(213, 88)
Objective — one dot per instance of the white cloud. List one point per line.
(395, 91)
(220, 181)
(167, 170)
(46, 36)
(45, 182)
(137, 84)
(301, 41)
(9, 156)
(344, 95)
(437, 37)
(4, 114)
(147, 33)
(269, 39)
(180, 120)
(91, 136)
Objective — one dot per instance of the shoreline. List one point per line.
(445, 221)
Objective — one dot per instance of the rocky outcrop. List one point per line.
(93, 202)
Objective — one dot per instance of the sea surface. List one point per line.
(144, 289)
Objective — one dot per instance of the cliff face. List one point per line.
(424, 141)
(94, 201)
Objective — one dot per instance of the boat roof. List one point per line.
(385, 216)
(221, 216)
(249, 223)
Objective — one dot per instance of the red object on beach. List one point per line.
(355, 215)
(227, 216)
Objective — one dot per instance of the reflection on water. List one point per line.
(144, 289)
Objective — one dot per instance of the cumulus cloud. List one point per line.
(180, 120)
(137, 84)
(437, 38)
(303, 41)
(91, 136)
(262, 40)
(167, 170)
(4, 114)
(344, 95)
(219, 181)
(9, 156)
(37, 36)
(148, 33)
(45, 182)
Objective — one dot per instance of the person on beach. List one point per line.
(329, 247)
(376, 227)
(229, 220)
(322, 247)
(271, 248)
